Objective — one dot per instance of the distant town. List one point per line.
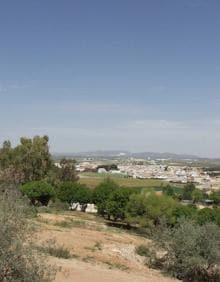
(204, 173)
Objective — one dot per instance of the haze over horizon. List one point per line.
(102, 75)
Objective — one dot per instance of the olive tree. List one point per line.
(191, 251)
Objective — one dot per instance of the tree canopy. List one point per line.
(72, 192)
(102, 193)
(28, 161)
(39, 192)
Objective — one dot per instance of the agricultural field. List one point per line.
(93, 179)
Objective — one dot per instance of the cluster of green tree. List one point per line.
(146, 209)
(150, 210)
(214, 173)
(108, 167)
(40, 193)
(28, 161)
(212, 168)
(191, 193)
(123, 204)
(74, 192)
(31, 161)
(111, 200)
(189, 237)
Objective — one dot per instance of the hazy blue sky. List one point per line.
(140, 75)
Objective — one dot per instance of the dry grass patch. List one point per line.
(51, 248)
(116, 265)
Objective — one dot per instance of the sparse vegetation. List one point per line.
(70, 223)
(18, 261)
(143, 250)
(190, 252)
(67, 171)
(98, 246)
(51, 248)
(88, 259)
(116, 265)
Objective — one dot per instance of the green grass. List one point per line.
(93, 179)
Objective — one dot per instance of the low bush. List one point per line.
(51, 248)
(70, 223)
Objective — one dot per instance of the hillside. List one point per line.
(99, 252)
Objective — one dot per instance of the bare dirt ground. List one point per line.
(100, 253)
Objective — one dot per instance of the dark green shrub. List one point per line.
(38, 192)
(116, 203)
(73, 192)
(169, 190)
(207, 215)
(215, 196)
(187, 192)
(136, 209)
(108, 167)
(181, 211)
(102, 193)
(198, 196)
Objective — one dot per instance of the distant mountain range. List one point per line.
(167, 155)
(126, 154)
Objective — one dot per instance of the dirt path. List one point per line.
(73, 270)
